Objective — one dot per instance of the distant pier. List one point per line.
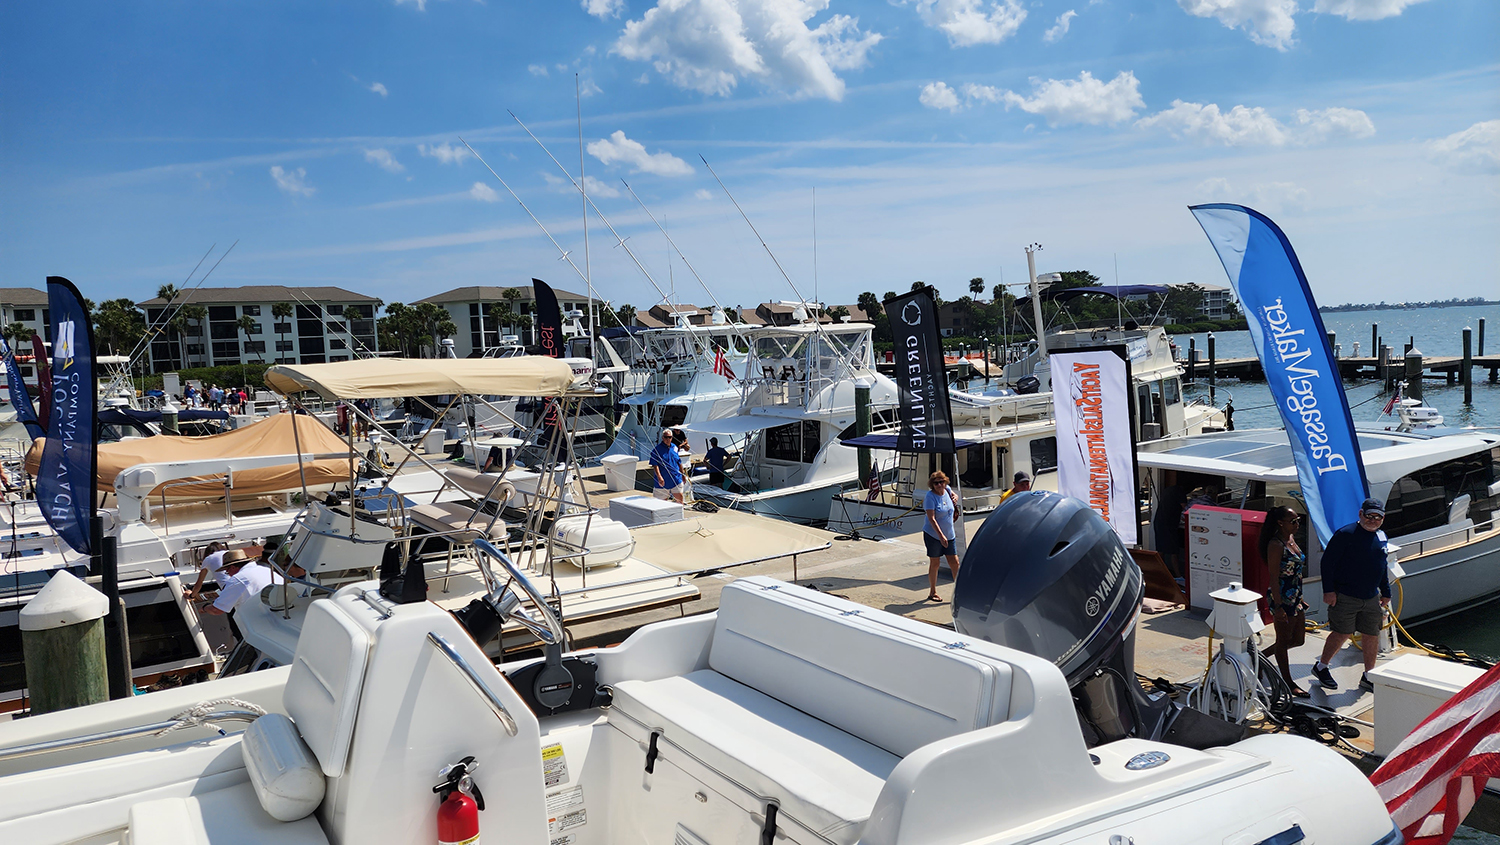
(1447, 367)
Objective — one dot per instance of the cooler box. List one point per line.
(638, 511)
(619, 472)
(1408, 690)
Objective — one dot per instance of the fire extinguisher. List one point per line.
(458, 814)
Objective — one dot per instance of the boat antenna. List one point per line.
(583, 183)
(595, 206)
(817, 323)
(815, 247)
(685, 261)
(1119, 300)
(184, 294)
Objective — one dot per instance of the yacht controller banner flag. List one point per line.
(1289, 337)
(1095, 446)
(926, 418)
(548, 320)
(19, 398)
(65, 482)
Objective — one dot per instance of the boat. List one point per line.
(1003, 431)
(796, 400)
(681, 384)
(1441, 492)
(788, 715)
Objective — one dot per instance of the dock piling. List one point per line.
(1333, 343)
(62, 639)
(1211, 367)
(1383, 366)
(1467, 371)
(1193, 354)
(1481, 335)
(1414, 373)
(1374, 338)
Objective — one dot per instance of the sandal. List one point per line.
(1299, 692)
(935, 597)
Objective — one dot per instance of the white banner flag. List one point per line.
(1091, 400)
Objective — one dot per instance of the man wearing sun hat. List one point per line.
(1357, 589)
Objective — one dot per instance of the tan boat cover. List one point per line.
(270, 436)
(390, 378)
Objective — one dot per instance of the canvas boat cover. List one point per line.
(270, 436)
(388, 378)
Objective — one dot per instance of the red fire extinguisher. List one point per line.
(458, 814)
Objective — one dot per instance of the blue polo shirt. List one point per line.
(665, 460)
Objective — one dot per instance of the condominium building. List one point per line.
(471, 307)
(1217, 301)
(27, 306)
(326, 324)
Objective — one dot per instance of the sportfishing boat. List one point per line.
(786, 716)
(797, 397)
(1442, 495)
(688, 375)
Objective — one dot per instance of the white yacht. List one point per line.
(796, 400)
(1441, 493)
(681, 384)
(787, 716)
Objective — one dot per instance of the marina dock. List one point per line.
(1447, 367)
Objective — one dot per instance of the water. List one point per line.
(1437, 332)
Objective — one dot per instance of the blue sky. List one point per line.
(940, 137)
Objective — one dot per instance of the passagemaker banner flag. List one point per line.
(65, 482)
(926, 418)
(19, 398)
(1289, 337)
(1095, 444)
(548, 320)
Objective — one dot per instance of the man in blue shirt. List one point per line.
(715, 457)
(666, 465)
(1357, 588)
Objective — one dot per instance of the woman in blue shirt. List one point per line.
(940, 504)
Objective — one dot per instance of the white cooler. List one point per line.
(619, 472)
(636, 511)
(1408, 689)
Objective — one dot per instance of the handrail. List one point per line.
(1421, 544)
(458, 661)
(103, 737)
(551, 631)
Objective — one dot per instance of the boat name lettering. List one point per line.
(1292, 354)
(1090, 404)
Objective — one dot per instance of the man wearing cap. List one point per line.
(1020, 484)
(1357, 588)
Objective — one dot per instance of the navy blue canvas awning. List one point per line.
(888, 441)
(136, 417)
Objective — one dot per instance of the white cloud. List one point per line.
(386, 161)
(1364, 10)
(587, 88)
(1268, 22)
(595, 187)
(1058, 30)
(292, 181)
(420, 4)
(703, 194)
(643, 79)
(710, 45)
(1242, 126)
(483, 193)
(970, 22)
(604, 8)
(1334, 122)
(445, 152)
(379, 89)
(537, 70)
(937, 95)
(1065, 101)
(1477, 147)
(618, 148)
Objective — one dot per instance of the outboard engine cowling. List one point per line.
(1027, 385)
(1047, 575)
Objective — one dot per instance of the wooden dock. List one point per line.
(1445, 367)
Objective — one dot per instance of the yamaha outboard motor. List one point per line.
(1048, 576)
(1027, 385)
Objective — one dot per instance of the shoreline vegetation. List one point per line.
(1401, 306)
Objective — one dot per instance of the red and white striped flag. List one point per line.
(1432, 779)
(721, 365)
(1395, 397)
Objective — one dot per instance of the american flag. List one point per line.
(1432, 779)
(721, 366)
(1395, 397)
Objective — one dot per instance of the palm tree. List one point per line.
(976, 285)
(626, 314)
(430, 316)
(194, 314)
(120, 325)
(282, 311)
(246, 324)
(446, 328)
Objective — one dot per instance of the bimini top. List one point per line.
(386, 378)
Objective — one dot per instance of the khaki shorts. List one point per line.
(1350, 614)
(666, 492)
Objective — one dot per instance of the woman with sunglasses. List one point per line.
(1287, 566)
(941, 504)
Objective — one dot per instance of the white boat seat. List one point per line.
(775, 711)
(229, 816)
(456, 516)
(822, 777)
(481, 485)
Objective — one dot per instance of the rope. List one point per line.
(195, 716)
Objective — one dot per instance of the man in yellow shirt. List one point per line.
(1022, 483)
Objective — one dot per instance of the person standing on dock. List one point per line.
(1287, 566)
(1357, 589)
(715, 458)
(666, 465)
(941, 504)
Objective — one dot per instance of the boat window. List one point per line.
(673, 415)
(797, 442)
(1172, 391)
(1043, 454)
(1143, 408)
(1420, 500)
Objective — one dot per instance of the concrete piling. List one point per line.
(1193, 355)
(62, 640)
(1414, 372)
(1212, 362)
(1374, 338)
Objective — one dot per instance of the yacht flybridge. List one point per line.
(682, 384)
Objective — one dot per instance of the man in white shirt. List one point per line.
(213, 564)
(244, 579)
